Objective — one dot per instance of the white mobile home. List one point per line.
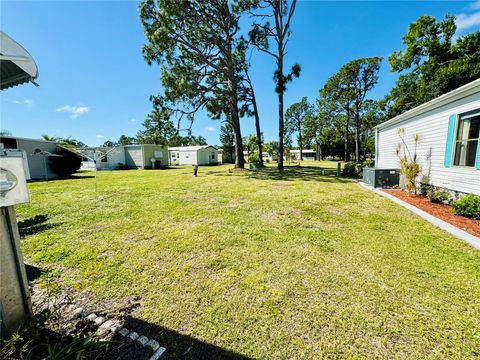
(193, 155)
(141, 156)
(448, 150)
(308, 154)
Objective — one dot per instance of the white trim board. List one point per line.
(449, 228)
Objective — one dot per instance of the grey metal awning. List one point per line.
(16, 64)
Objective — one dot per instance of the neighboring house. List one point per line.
(448, 150)
(193, 155)
(227, 155)
(308, 154)
(220, 156)
(36, 154)
(133, 156)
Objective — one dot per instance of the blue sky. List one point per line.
(94, 83)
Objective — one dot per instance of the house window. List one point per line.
(466, 141)
(158, 154)
(213, 156)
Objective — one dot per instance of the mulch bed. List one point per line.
(441, 211)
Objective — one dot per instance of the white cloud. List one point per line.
(133, 120)
(75, 111)
(467, 21)
(211, 128)
(100, 136)
(23, 102)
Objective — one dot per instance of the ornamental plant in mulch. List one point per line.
(440, 196)
(409, 167)
(468, 206)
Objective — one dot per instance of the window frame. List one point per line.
(474, 112)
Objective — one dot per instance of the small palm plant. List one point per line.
(409, 166)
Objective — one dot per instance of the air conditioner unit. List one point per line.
(381, 177)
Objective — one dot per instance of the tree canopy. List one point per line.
(198, 48)
(431, 64)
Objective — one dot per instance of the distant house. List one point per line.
(132, 156)
(308, 154)
(35, 153)
(226, 155)
(448, 150)
(193, 155)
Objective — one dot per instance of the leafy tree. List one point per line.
(198, 140)
(158, 128)
(431, 64)
(196, 44)
(70, 142)
(189, 140)
(294, 120)
(315, 127)
(4, 132)
(227, 138)
(281, 14)
(272, 149)
(109, 143)
(126, 140)
(250, 143)
(349, 88)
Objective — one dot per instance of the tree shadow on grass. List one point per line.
(291, 173)
(34, 225)
(179, 346)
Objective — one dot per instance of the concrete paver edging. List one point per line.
(449, 228)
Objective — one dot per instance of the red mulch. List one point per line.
(441, 211)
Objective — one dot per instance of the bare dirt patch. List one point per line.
(441, 211)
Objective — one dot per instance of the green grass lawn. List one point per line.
(296, 265)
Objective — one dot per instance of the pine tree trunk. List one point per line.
(300, 144)
(233, 90)
(257, 128)
(346, 157)
(357, 137)
(280, 107)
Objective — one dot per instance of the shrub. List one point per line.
(253, 158)
(440, 196)
(468, 205)
(353, 169)
(424, 185)
(66, 164)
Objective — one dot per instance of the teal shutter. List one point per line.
(450, 137)
(477, 163)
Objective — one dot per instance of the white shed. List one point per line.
(448, 150)
(193, 155)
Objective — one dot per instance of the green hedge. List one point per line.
(468, 205)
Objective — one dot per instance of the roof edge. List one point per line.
(432, 104)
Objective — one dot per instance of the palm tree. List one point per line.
(47, 137)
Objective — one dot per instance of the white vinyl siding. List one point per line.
(432, 127)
